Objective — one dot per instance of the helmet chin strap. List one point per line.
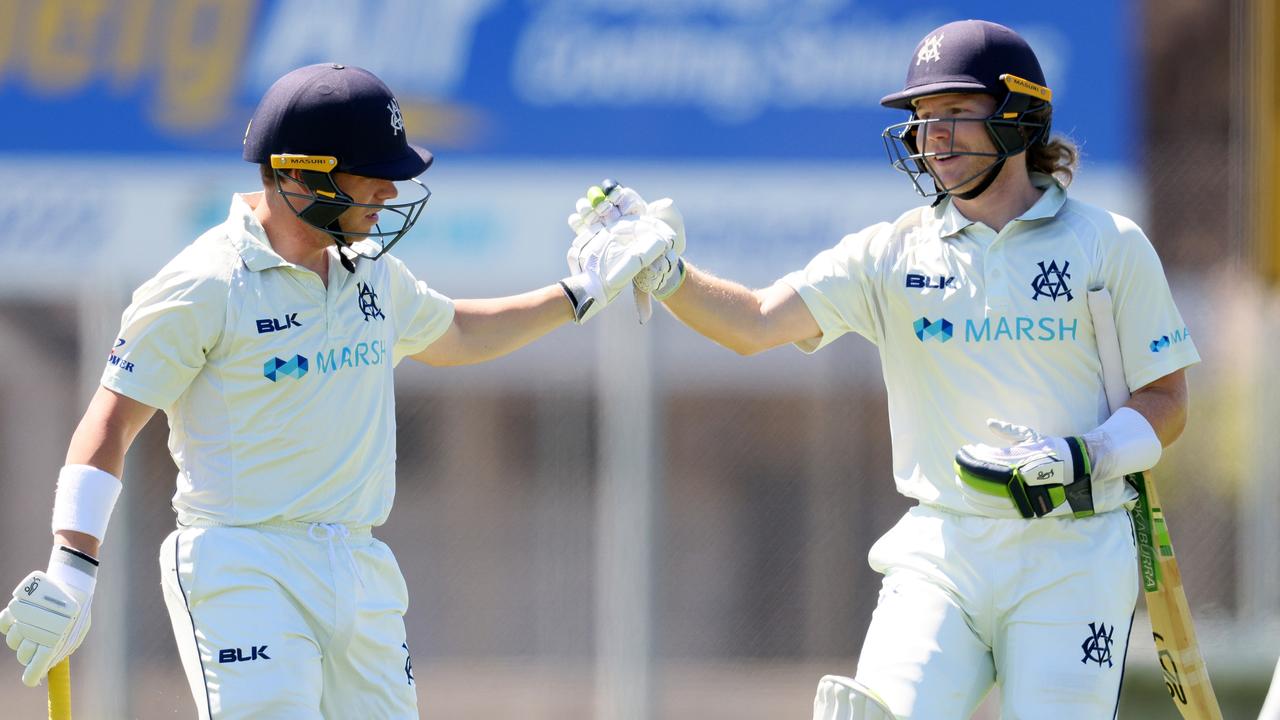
(334, 230)
(321, 214)
(985, 183)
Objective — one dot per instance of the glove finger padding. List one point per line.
(1014, 432)
(38, 667)
(628, 202)
(44, 622)
(644, 303)
(26, 650)
(590, 217)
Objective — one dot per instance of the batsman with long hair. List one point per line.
(1017, 567)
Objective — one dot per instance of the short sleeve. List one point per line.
(166, 333)
(422, 314)
(1154, 340)
(837, 286)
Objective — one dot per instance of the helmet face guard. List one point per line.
(1014, 127)
(323, 202)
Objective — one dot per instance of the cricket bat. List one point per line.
(60, 690)
(1178, 649)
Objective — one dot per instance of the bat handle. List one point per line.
(60, 691)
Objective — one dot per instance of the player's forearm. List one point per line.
(95, 462)
(743, 320)
(1163, 403)
(83, 542)
(493, 327)
(721, 310)
(106, 431)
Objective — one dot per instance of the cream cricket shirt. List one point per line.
(278, 390)
(972, 324)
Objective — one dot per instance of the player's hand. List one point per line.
(603, 205)
(613, 244)
(609, 203)
(665, 275)
(1038, 472)
(47, 619)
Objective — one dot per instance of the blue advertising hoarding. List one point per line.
(786, 80)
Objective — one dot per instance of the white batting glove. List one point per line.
(665, 275)
(604, 205)
(49, 614)
(604, 263)
(1038, 472)
(610, 202)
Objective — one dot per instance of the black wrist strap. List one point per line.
(1080, 492)
(580, 307)
(82, 555)
(84, 562)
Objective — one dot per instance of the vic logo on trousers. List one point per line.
(231, 655)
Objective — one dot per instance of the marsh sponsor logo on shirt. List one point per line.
(345, 357)
(1020, 328)
(295, 367)
(356, 355)
(1165, 341)
(940, 329)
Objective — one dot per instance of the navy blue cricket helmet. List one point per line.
(971, 56)
(330, 117)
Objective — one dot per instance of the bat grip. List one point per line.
(60, 691)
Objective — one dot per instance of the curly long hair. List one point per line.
(1058, 156)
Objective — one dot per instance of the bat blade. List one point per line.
(1186, 677)
(1177, 647)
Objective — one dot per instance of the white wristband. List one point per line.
(84, 500)
(1126, 443)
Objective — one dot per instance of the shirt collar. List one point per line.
(952, 221)
(248, 236)
(1050, 202)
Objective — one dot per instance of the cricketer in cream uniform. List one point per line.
(260, 368)
(270, 344)
(1018, 566)
(972, 324)
(257, 359)
(1000, 334)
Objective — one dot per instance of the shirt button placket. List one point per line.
(997, 284)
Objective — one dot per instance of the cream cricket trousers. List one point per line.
(289, 620)
(1041, 607)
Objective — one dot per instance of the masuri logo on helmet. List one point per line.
(331, 117)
